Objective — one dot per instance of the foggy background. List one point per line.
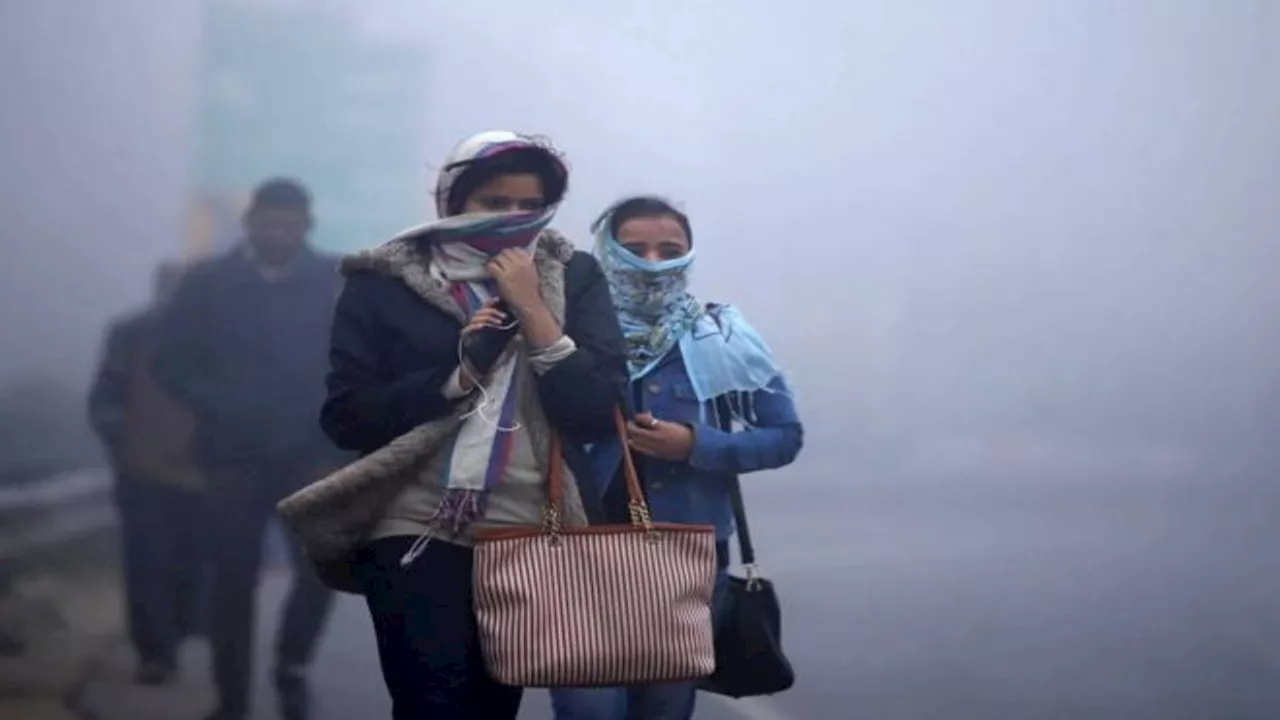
(1027, 241)
(1003, 209)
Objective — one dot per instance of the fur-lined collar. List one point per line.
(332, 517)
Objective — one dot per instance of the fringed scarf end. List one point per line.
(458, 509)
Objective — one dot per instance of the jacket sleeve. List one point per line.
(184, 365)
(773, 441)
(366, 408)
(108, 394)
(580, 393)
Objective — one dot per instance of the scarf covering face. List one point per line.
(461, 245)
(460, 248)
(722, 354)
(655, 308)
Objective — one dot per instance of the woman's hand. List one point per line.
(657, 438)
(517, 278)
(487, 316)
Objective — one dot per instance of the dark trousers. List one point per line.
(242, 500)
(427, 641)
(163, 536)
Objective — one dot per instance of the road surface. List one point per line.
(965, 601)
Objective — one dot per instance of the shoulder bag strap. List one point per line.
(746, 551)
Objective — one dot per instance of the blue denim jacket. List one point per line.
(696, 491)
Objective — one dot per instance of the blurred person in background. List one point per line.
(13, 640)
(243, 348)
(465, 310)
(710, 404)
(159, 489)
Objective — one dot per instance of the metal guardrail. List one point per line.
(74, 506)
(64, 508)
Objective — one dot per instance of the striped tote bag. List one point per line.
(595, 606)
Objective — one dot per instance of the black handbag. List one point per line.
(748, 641)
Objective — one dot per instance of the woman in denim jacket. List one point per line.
(685, 359)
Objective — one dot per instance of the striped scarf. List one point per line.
(461, 245)
(477, 459)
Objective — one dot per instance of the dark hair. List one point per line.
(281, 193)
(516, 161)
(647, 206)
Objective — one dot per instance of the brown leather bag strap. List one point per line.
(639, 509)
(555, 473)
(636, 505)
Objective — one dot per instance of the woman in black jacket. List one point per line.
(458, 348)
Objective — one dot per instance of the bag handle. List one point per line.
(746, 550)
(553, 512)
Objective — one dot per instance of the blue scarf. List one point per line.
(723, 355)
(654, 306)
